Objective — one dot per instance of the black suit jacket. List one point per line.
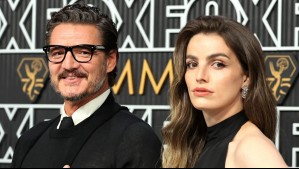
(114, 138)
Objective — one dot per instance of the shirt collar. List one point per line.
(87, 110)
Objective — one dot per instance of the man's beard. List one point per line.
(79, 97)
(75, 98)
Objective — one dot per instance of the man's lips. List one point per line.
(200, 92)
(71, 80)
(71, 77)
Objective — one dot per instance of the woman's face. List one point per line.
(214, 76)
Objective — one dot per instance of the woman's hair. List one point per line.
(80, 13)
(185, 136)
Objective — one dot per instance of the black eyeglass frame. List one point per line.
(70, 49)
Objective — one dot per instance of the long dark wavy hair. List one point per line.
(185, 136)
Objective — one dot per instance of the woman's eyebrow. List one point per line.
(210, 57)
(213, 56)
(191, 57)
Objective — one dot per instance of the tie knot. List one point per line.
(67, 122)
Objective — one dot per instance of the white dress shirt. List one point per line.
(87, 110)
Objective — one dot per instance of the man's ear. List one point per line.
(111, 61)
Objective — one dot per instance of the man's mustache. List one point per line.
(74, 73)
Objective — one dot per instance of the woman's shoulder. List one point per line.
(251, 138)
(250, 133)
(251, 148)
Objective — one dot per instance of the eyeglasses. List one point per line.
(81, 53)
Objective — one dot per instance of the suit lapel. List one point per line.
(23, 148)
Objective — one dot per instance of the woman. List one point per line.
(223, 112)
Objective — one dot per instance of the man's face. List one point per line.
(73, 80)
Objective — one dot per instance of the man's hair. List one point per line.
(81, 13)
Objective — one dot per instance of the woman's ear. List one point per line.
(111, 61)
(246, 80)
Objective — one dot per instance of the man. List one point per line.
(93, 131)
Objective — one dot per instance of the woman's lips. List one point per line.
(201, 92)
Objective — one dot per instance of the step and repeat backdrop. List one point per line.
(148, 30)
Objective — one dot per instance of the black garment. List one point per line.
(67, 122)
(219, 136)
(111, 137)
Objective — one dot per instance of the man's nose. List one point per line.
(69, 62)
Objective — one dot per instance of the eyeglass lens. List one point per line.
(81, 53)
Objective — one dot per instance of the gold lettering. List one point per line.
(127, 72)
(146, 71)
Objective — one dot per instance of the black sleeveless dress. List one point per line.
(219, 136)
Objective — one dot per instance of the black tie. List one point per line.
(67, 122)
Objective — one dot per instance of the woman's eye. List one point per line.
(191, 65)
(218, 65)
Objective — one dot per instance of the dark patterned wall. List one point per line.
(148, 30)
